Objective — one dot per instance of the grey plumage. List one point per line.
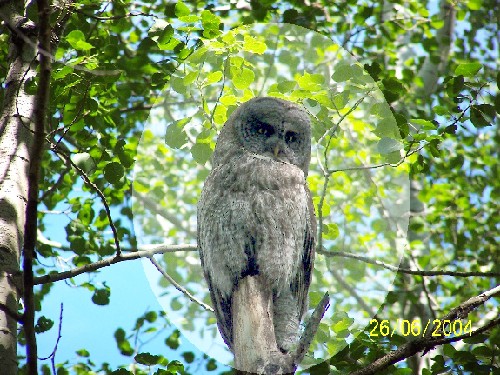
(255, 214)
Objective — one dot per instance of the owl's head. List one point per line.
(273, 128)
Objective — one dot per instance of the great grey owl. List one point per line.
(255, 214)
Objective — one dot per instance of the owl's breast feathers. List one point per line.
(258, 173)
(259, 219)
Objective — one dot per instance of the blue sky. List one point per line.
(86, 325)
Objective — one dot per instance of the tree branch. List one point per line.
(427, 343)
(405, 270)
(311, 329)
(154, 249)
(150, 250)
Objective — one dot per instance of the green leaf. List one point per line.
(228, 100)
(181, 9)
(330, 231)
(210, 23)
(387, 145)
(76, 39)
(342, 73)
(482, 115)
(113, 172)
(423, 124)
(122, 371)
(286, 86)
(43, 324)
(243, 78)
(78, 244)
(440, 110)
(458, 83)
(373, 70)
(437, 22)
(343, 324)
(211, 365)
(188, 357)
(84, 161)
(165, 36)
(178, 85)
(175, 135)
(31, 86)
(474, 4)
(468, 69)
(147, 359)
(213, 77)
(201, 152)
(101, 296)
(311, 82)
(189, 19)
(250, 44)
(151, 316)
(83, 353)
(393, 84)
(122, 343)
(175, 366)
(173, 340)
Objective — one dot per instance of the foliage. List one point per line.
(177, 70)
(206, 88)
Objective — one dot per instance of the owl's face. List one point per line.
(276, 129)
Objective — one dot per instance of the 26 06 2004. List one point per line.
(417, 327)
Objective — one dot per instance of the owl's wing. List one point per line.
(300, 285)
(221, 305)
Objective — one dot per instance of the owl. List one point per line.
(255, 214)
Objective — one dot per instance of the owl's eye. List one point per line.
(265, 129)
(290, 137)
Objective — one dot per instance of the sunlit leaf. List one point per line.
(468, 69)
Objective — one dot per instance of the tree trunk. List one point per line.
(16, 119)
(431, 69)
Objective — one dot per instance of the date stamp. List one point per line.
(417, 328)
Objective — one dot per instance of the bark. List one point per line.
(40, 111)
(16, 122)
(432, 69)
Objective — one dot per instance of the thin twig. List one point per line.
(179, 287)
(405, 270)
(94, 187)
(374, 166)
(110, 18)
(352, 292)
(52, 355)
(155, 208)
